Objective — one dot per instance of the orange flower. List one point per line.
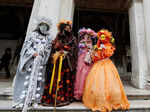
(60, 86)
(53, 95)
(67, 47)
(108, 34)
(108, 98)
(62, 99)
(64, 22)
(69, 22)
(104, 35)
(48, 101)
(67, 70)
(104, 52)
(67, 81)
(44, 97)
(58, 98)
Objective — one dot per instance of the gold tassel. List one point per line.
(52, 79)
(55, 57)
(59, 79)
(60, 67)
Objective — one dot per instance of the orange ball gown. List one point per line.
(103, 88)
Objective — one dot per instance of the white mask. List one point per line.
(43, 29)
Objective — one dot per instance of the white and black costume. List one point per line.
(29, 80)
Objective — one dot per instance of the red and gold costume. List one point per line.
(61, 68)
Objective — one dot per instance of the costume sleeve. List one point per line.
(96, 55)
(71, 45)
(73, 52)
(27, 52)
(57, 45)
(103, 52)
(28, 48)
(109, 50)
(98, 43)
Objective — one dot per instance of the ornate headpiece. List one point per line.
(88, 31)
(105, 36)
(39, 20)
(64, 22)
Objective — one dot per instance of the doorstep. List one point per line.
(136, 106)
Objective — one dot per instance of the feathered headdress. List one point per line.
(64, 22)
(39, 20)
(88, 31)
(105, 36)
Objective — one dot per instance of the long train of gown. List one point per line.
(103, 88)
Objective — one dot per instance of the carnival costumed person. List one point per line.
(103, 88)
(61, 68)
(84, 60)
(29, 81)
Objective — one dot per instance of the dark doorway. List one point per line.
(118, 24)
(13, 24)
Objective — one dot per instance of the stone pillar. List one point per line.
(67, 9)
(46, 8)
(146, 7)
(34, 13)
(138, 46)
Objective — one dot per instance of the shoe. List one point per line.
(18, 106)
(35, 105)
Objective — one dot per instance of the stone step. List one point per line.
(136, 106)
(139, 95)
(6, 94)
(132, 92)
(135, 93)
(132, 95)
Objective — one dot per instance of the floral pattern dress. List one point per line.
(67, 45)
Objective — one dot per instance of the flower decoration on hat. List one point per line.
(105, 36)
(104, 47)
(67, 22)
(88, 31)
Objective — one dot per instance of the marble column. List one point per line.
(146, 7)
(45, 8)
(67, 9)
(34, 13)
(138, 46)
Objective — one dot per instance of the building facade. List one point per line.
(136, 16)
(139, 27)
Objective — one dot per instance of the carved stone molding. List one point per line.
(103, 4)
(17, 3)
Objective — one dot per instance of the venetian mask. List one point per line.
(43, 28)
(67, 30)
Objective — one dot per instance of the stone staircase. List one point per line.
(139, 100)
(136, 106)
